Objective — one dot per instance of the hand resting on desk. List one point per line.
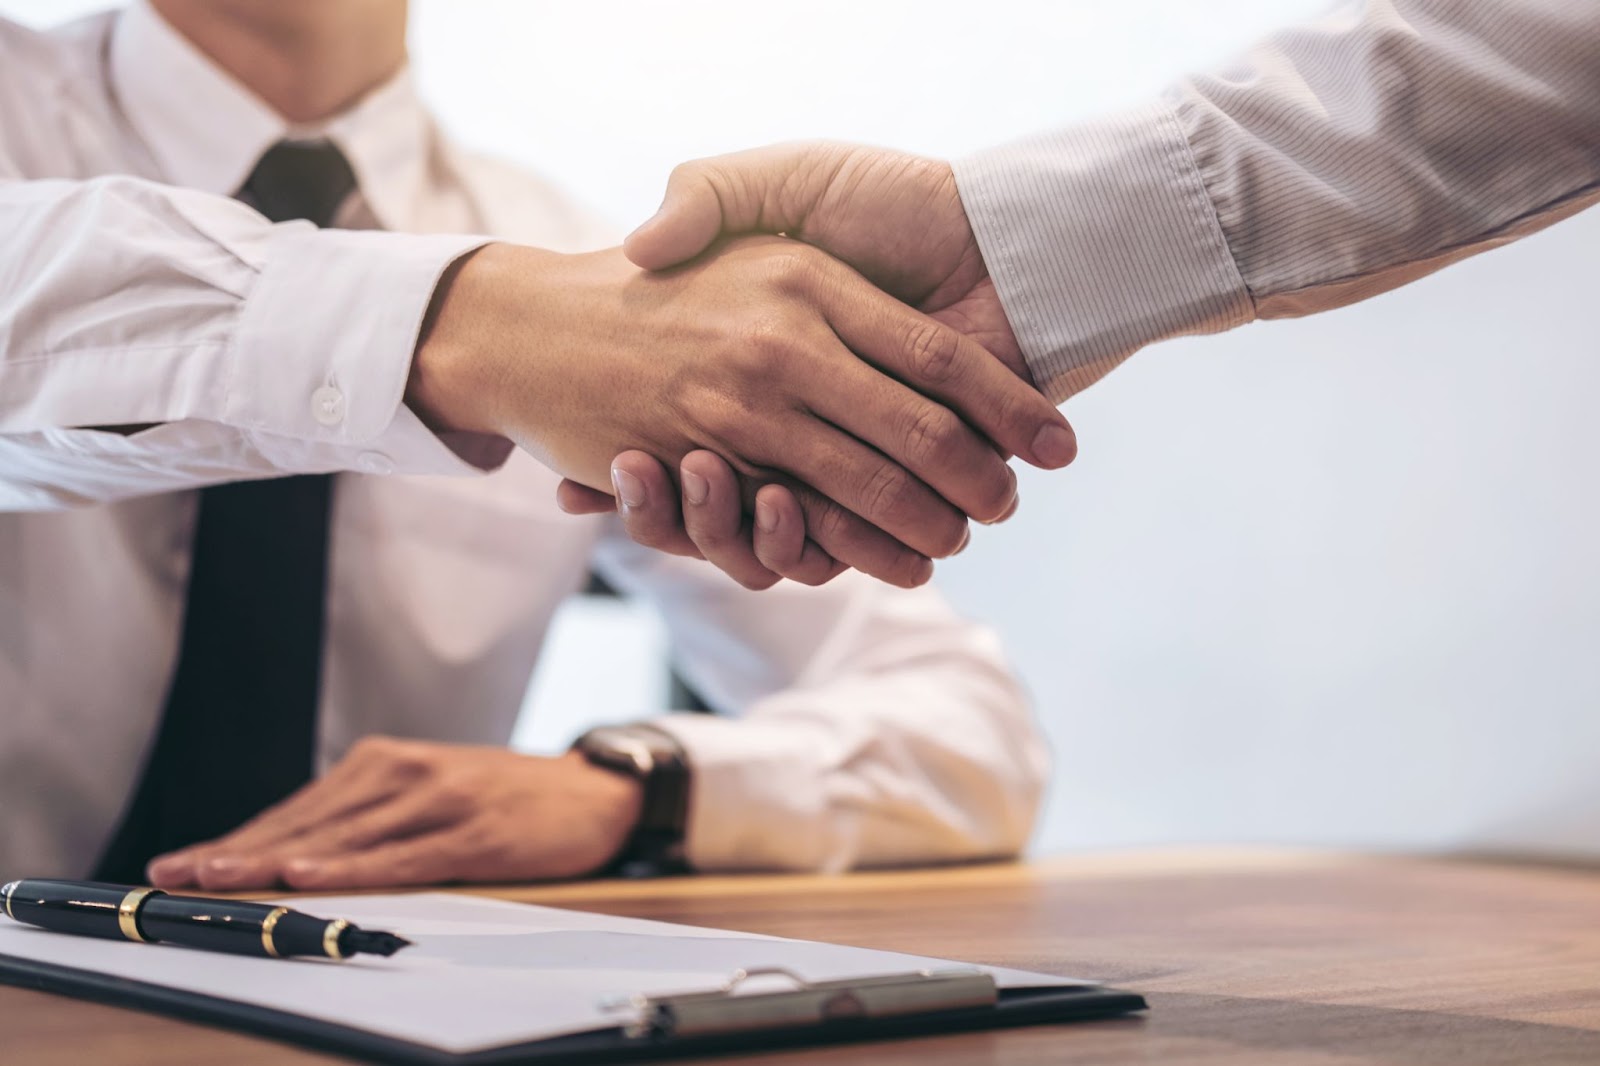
(409, 812)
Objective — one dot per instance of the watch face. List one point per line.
(618, 749)
(654, 759)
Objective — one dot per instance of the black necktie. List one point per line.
(240, 726)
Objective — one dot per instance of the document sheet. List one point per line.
(482, 973)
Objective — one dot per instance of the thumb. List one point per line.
(688, 220)
(766, 190)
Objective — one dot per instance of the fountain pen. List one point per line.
(149, 916)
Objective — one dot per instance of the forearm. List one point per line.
(245, 349)
(1334, 162)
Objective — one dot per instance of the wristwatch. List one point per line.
(655, 759)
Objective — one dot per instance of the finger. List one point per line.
(432, 858)
(574, 498)
(780, 542)
(352, 784)
(769, 190)
(939, 362)
(648, 504)
(234, 861)
(405, 815)
(932, 441)
(855, 542)
(874, 487)
(713, 517)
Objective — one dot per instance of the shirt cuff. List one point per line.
(323, 352)
(1100, 239)
(754, 800)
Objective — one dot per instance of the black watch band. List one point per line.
(656, 760)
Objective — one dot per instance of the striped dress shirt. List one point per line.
(1334, 161)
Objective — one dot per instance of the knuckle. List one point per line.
(1016, 413)
(790, 267)
(933, 436)
(828, 522)
(731, 421)
(404, 759)
(453, 797)
(374, 747)
(686, 172)
(885, 493)
(766, 340)
(932, 351)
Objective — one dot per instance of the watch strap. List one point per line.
(655, 759)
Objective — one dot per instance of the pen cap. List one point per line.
(82, 908)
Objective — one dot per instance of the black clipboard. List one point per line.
(660, 1027)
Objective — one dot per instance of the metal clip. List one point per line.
(729, 1009)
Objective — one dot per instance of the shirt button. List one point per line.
(374, 463)
(327, 405)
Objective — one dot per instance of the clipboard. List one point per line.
(757, 1009)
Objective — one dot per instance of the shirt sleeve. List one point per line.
(1335, 161)
(867, 725)
(250, 349)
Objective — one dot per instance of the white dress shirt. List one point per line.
(1335, 161)
(873, 726)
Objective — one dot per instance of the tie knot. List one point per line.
(300, 179)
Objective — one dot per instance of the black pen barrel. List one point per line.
(148, 915)
(236, 927)
(83, 908)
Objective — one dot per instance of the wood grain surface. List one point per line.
(1246, 958)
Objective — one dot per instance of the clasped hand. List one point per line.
(896, 218)
(882, 428)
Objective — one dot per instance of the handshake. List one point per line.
(799, 365)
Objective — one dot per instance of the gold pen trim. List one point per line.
(11, 886)
(330, 938)
(268, 924)
(128, 913)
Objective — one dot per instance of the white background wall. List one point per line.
(1328, 581)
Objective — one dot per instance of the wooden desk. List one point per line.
(1245, 958)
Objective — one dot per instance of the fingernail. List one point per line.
(301, 867)
(696, 489)
(630, 490)
(766, 516)
(1054, 446)
(1015, 501)
(966, 538)
(224, 865)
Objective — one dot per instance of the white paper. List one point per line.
(481, 973)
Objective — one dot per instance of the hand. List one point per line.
(409, 812)
(778, 358)
(895, 217)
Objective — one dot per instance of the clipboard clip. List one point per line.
(734, 1008)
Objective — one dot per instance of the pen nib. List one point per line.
(368, 942)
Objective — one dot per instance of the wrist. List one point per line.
(655, 761)
(615, 797)
(459, 379)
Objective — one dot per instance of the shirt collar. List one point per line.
(206, 131)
